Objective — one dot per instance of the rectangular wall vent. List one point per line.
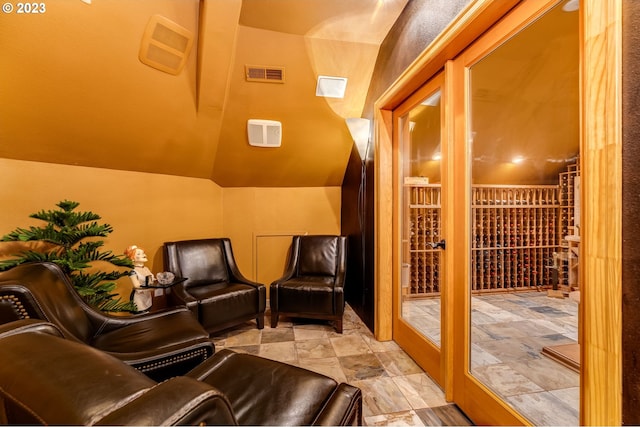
(264, 133)
(264, 74)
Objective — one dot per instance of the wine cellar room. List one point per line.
(524, 222)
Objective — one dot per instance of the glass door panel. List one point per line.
(523, 130)
(418, 312)
(422, 219)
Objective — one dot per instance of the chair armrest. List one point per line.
(29, 325)
(288, 273)
(177, 401)
(179, 293)
(105, 322)
(292, 262)
(342, 262)
(203, 370)
(344, 407)
(235, 274)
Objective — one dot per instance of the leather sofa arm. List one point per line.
(177, 401)
(203, 370)
(104, 322)
(29, 325)
(343, 408)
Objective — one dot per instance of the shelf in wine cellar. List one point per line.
(519, 237)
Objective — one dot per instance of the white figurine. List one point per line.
(140, 276)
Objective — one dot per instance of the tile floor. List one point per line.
(509, 331)
(396, 391)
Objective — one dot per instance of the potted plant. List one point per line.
(69, 241)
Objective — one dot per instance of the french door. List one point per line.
(490, 107)
(421, 189)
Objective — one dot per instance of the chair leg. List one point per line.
(260, 321)
(274, 319)
(338, 325)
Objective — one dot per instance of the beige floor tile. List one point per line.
(349, 345)
(404, 418)
(314, 349)
(379, 346)
(381, 396)
(301, 333)
(281, 351)
(329, 366)
(420, 391)
(398, 363)
(360, 366)
(243, 337)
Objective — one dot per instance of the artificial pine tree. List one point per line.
(65, 233)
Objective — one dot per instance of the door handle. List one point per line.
(441, 244)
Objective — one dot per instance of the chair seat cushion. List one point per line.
(307, 294)
(140, 340)
(220, 303)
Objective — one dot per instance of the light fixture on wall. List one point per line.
(359, 129)
(517, 160)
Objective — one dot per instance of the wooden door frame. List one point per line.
(601, 151)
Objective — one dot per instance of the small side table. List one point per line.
(160, 301)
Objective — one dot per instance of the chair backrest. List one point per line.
(202, 261)
(42, 290)
(320, 255)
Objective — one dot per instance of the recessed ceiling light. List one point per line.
(571, 6)
(331, 87)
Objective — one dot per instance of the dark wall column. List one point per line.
(418, 25)
(631, 213)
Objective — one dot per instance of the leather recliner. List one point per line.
(45, 379)
(218, 295)
(161, 344)
(313, 283)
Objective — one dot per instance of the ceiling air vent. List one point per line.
(165, 45)
(264, 74)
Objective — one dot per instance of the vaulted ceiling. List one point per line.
(74, 91)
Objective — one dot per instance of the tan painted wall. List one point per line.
(144, 209)
(260, 222)
(149, 209)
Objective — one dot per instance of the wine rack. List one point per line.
(514, 236)
(424, 228)
(517, 232)
(569, 226)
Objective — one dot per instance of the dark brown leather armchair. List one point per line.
(48, 380)
(161, 344)
(215, 291)
(313, 283)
